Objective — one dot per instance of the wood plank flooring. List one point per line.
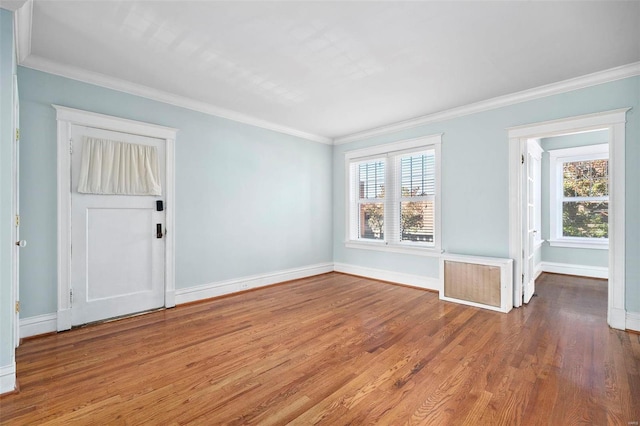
(338, 349)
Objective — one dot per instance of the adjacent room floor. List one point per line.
(339, 349)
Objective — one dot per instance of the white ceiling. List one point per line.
(332, 68)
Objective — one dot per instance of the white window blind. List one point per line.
(417, 197)
(369, 176)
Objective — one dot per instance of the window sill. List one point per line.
(381, 246)
(597, 245)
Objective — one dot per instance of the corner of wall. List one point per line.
(7, 378)
(633, 321)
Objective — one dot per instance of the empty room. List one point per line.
(319, 212)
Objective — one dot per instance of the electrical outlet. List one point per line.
(244, 286)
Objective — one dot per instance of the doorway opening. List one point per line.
(120, 254)
(524, 229)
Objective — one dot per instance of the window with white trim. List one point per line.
(392, 196)
(579, 201)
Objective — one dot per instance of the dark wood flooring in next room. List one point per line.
(337, 349)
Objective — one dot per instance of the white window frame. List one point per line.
(556, 159)
(390, 151)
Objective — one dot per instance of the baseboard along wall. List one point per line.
(220, 288)
(7, 378)
(571, 269)
(420, 281)
(47, 323)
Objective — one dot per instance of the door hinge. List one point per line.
(70, 146)
(71, 296)
(522, 278)
(17, 134)
(522, 159)
(17, 220)
(17, 307)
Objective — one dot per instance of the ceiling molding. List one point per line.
(613, 74)
(74, 73)
(11, 5)
(22, 22)
(23, 28)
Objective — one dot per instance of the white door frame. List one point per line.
(66, 117)
(15, 211)
(535, 152)
(614, 121)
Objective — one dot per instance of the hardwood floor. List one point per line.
(338, 349)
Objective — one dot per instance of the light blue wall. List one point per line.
(7, 70)
(227, 170)
(475, 191)
(574, 256)
(248, 200)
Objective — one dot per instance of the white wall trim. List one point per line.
(606, 76)
(66, 118)
(571, 269)
(633, 321)
(40, 324)
(219, 288)
(429, 283)
(8, 378)
(614, 121)
(538, 271)
(22, 21)
(45, 65)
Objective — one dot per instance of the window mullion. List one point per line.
(392, 214)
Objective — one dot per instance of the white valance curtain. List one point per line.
(118, 168)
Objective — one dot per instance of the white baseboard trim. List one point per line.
(633, 321)
(207, 291)
(537, 271)
(420, 281)
(580, 270)
(7, 378)
(617, 318)
(40, 324)
(170, 299)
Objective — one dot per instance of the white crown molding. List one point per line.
(606, 76)
(11, 5)
(98, 79)
(22, 28)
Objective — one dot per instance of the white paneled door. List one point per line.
(531, 211)
(117, 242)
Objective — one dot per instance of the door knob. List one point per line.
(21, 243)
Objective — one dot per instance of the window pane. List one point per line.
(371, 177)
(586, 178)
(371, 221)
(417, 175)
(417, 221)
(588, 219)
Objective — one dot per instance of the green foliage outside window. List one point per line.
(586, 218)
